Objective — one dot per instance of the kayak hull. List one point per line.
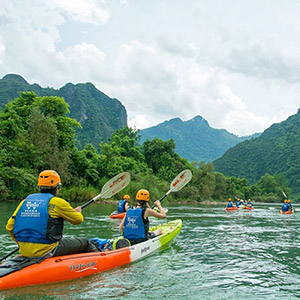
(74, 266)
(231, 208)
(116, 215)
(289, 212)
(247, 208)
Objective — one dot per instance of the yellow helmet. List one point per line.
(142, 195)
(288, 201)
(229, 199)
(48, 178)
(126, 197)
(285, 201)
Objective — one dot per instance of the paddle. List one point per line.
(112, 187)
(178, 183)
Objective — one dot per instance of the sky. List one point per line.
(236, 63)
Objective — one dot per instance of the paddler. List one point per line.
(37, 223)
(238, 202)
(285, 206)
(290, 205)
(135, 224)
(229, 203)
(123, 205)
(249, 203)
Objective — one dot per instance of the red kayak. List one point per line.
(231, 208)
(117, 215)
(286, 212)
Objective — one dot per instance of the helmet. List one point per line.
(229, 199)
(285, 201)
(48, 178)
(289, 201)
(126, 197)
(142, 195)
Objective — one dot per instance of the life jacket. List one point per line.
(121, 206)
(229, 204)
(238, 203)
(33, 223)
(135, 226)
(285, 207)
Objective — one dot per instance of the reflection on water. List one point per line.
(218, 255)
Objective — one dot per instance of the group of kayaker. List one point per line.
(37, 223)
(239, 203)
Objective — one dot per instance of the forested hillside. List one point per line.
(195, 140)
(276, 151)
(36, 133)
(99, 115)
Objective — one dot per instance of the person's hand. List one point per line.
(157, 203)
(78, 209)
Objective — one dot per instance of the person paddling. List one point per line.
(123, 205)
(238, 202)
(285, 206)
(229, 203)
(135, 224)
(290, 205)
(37, 223)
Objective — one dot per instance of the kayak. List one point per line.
(74, 266)
(247, 207)
(231, 208)
(117, 215)
(286, 212)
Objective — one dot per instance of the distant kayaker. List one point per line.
(290, 205)
(135, 224)
(249, 203)
(123, 205)
(37, 223)
(238, 202)
(285, 206)
(229, 203)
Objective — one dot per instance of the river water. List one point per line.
(218, 255)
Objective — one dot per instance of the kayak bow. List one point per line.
(74, 266)
(117, 215)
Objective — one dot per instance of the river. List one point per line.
(217, 255)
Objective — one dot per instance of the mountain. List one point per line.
(275, 151)
(99, 115)
(195, 140)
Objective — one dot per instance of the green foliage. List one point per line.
(275, 152)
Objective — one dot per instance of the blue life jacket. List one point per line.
(33, 223)
(121, 206)
(285, 207)
(238, 203)
(229, 204)
(134, 224)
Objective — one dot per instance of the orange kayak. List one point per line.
(286, 212)
(117, 215)
(74, 266)
(231, 208)
(247, 207)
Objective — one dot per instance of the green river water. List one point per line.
(217, 255)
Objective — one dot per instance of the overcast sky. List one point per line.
(236, 63)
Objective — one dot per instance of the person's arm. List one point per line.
(126, 206)
(151, 212)
(60, 208)
(121, 226)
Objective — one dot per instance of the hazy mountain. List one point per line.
(195, 140)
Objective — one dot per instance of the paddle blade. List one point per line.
(181, 180)
(114, 185)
